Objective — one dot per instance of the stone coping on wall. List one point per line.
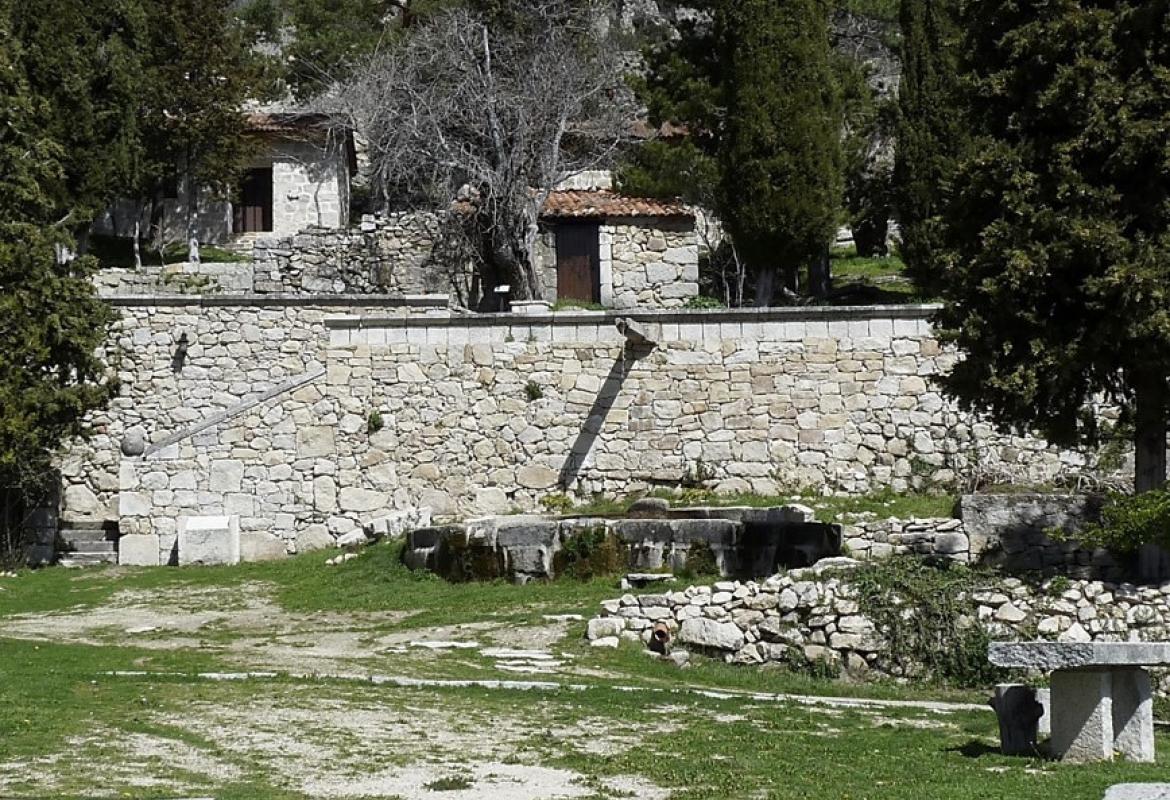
(698, 326)
(429, 303)
(611, 316)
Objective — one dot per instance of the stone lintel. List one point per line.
(1048, 656)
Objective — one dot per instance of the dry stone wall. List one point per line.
(402, 253)
(308, 416)
(815, 615)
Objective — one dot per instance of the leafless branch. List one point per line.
(492, 119)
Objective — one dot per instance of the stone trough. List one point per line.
(736, 542)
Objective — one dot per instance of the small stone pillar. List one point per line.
(1019, 714)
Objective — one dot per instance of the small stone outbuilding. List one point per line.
(604, 248)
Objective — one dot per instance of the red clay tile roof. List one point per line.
(600, 203)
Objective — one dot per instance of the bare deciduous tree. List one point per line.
(491, 119)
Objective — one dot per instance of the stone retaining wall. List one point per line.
(400, 253)
(1012, 532)
(491, 413)
(810, 615)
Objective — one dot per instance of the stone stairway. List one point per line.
(87, 544)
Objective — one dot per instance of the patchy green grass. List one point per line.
(113, 251)
(880, 280)
(278, 739)
(376, 581)
(577, 305)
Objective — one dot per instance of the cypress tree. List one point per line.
(780, 152)
(930, 134)
(1059, 229)
(51, 322)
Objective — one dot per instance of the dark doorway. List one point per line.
(253, 212)
(579, 262)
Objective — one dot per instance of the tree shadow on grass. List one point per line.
(976, 748)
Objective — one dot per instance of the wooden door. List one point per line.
(253, 212)
(579, 262)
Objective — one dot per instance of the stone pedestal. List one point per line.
(1133, 714)
(209, 540)
(1082, 715)
(1096, 712)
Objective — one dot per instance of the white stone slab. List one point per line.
(138, 550)
(1138, 791)
(1078, 655)
(261, 546)
(209, 540)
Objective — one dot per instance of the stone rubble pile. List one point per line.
(814, 615)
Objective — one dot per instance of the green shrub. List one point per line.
(1128, 522)
(533, 391)
(591, 553)
(924, 612)
(700, 561)
(702, 301)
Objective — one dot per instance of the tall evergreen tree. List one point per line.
(930, 133)
(1059, 230)
(198, 73)
(780, 150)
(83, 62)
(51, 321)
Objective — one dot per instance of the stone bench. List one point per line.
(1102, 698)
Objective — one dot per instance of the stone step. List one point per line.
(85, 536)
(82, 546)
(87, 559)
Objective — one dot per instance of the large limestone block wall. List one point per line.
(310, 186)
(311, 416)
(763, 402)
(229, 396)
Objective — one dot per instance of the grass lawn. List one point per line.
(113, 251)
(878, 280)
(316, 727)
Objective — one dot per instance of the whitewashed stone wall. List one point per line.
(492, 413)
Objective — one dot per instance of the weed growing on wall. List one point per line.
(700, 561)
(557, 503)
(375, 422)
(589, 554)
(924, 613)
(533, 391)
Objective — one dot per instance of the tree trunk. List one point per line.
(1149, 432)
(765, 286)
(1150, 458)
(818, 275)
